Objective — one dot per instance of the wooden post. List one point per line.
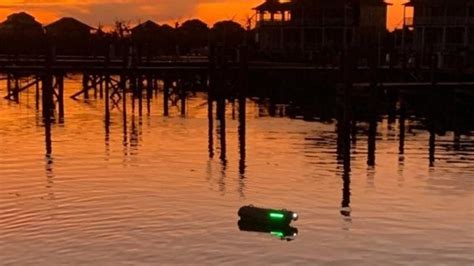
(182, 94)
(372, 113)
(107, 99)
(16, 90)
(431, 115)
(210, 118)
(60, 84)
(242, 134)
(37, 91)
(48, 90)
(139, 88)
(123, 85)
(402, 118)
(222, 127)
(47, 138)
(85, 85)
(166, 87)
(149, 92)
(432, 144)
(346, 178)
(48, 104)
(9, 85)
(133, 88)
(242, 106)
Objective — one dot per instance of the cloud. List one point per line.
(107, 11)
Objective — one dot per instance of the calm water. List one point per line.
(150, 193)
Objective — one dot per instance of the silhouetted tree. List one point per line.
(120, 36)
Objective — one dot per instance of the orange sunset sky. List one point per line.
(95, 12)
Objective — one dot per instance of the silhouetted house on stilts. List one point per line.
(193, 37)
(21, 34)
(306, 28)
(228, 32)
(168, 43)
(443, 29)
(148, 39)
(69, 36)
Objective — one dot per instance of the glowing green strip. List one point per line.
(277, 215)
(278, 234)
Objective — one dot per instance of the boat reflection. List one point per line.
(280, 231)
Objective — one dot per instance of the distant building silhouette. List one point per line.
(152, 39)
(70, 36)
(21, 34)
(193, 36)
(228, 34)
(444, 29)
(307, 26)
(147, 36)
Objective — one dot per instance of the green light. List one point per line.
(277, 215)
(278, 234)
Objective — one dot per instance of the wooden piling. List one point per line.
(431, 112)
(346, 180)
(139, 88)
(85, 85)
(149, 93)
(373, 108)
(166, 87)
(107, 99)
(242, 134)
(432, 145)
(37, 91)
(402, 120)
(16, 89)
(182, 96)
(48, 138)
(222, 128)
(242, 100)
(47, 96)
(9, 84)
(60, 96)
(210, 118)
(48, 89)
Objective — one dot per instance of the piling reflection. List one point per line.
(242, 143)
(210, 121)
(48, 141)
(344, 155)
(431, 145)
(107, 135)
(221, 117)
(242, 135)
(135, 133)
(401, 135)
(371, 143)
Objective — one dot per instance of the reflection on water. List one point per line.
(286, 232)
(166, 188)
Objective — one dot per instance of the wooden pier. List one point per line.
(112, 78)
